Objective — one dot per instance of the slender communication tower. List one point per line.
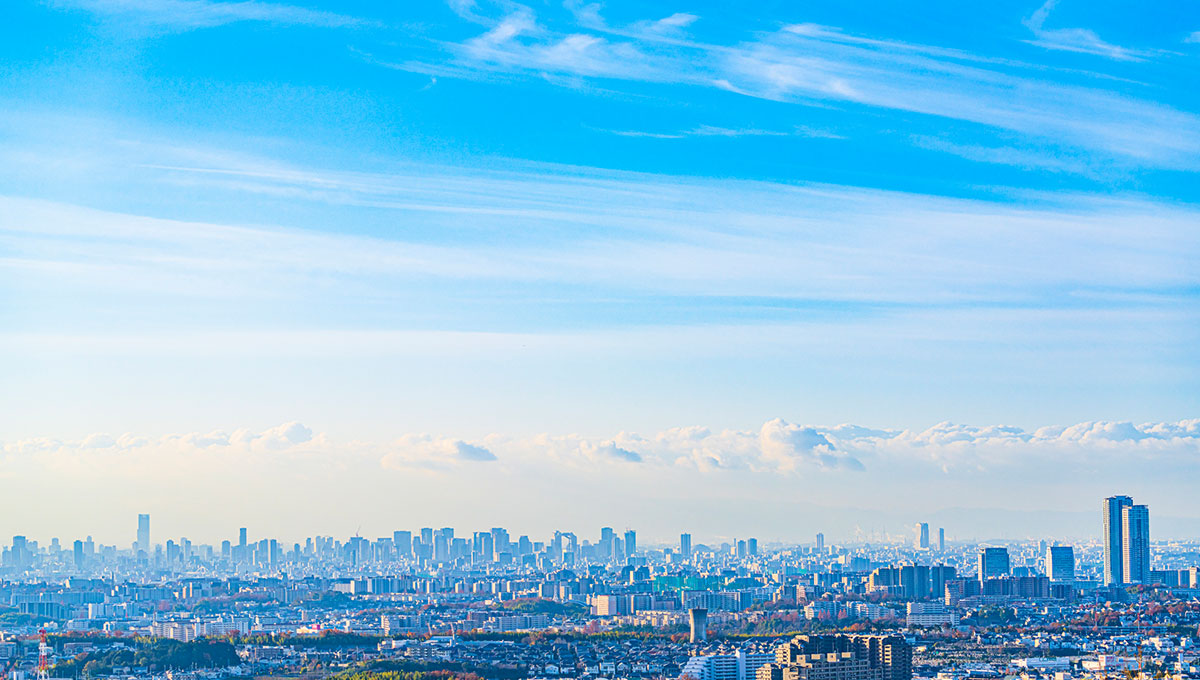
(43, 672)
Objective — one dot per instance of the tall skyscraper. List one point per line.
(685, 545)
(914, 581)
(752, 546)
(143, 534)
(1060, 563)
(569, 547)
(500, 541)
(698, 623)
(993, 563)
(402, 540)
(1114, 545)
(481, 547)
(21, 556)
(820, 543)
(242, 537)
(923, 536)
(939, 574)
(630, 542)
(1135, 543)
(607, 539)
(941, 540)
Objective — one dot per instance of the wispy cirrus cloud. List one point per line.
(727, 247)
(672, 25)
(1060, 160)
(809, 64)
(184, 15)
(814, 62)
(1081, 40)
(517, 42)
(740, 237)
(717, 131)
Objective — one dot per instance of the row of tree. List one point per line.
(156, 655)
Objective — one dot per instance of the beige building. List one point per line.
(840, 657)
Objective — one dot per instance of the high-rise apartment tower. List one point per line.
(143, 533)
(1135, 543)
(1114, 569)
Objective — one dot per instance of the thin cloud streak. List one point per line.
(185, 15)
(1081, 40)
(806, 64)
(642, 239)
(716, 131)
(820, 63)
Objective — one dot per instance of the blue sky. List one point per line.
(415, 226)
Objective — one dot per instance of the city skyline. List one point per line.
(1124, 556)
(1117, 548)
(621, 544)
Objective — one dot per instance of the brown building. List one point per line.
(840, 657)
